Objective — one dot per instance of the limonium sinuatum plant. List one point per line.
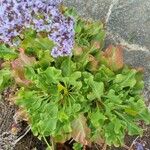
(87, 95)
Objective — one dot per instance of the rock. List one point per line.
(130, 20)
(95, 9)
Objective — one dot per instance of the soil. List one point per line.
(7, 111)
(29, 142)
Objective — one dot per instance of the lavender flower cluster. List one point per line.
(40, 15)
(63, 35)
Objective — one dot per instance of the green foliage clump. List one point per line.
(90, 96)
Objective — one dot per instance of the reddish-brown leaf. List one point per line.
(80, 130)
(21, 115)
(15, 129)
(93, 63)
(114, 57)
(140, 69)
(96, 44)
(26, 60)
(18, 67)
(78, 50)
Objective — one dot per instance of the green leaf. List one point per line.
(5, 77)
(97, 88)
(34, 45)
(133, 129)
(76, 75)
(30, 73)
(97, 119)
(131, 125)
(126, 80)
(113, 97)
(114, 137)
(29, 33)
(117, 125)
(87, 76)
(130, 111)
(63, 116)
(44, 43)
(47, 126)
(44, 59)
(7, 53)
(53, 75)
(67, 128)
(68, 67)
(91, 96)
(104, 74)
(77, 146)
(76, 107)
(145, 115)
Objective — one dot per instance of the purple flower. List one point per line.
(55, 52)
(16, 15)
(139, 146)
(63, 34)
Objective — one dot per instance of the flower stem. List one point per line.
(49, 147)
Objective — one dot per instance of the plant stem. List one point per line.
(130, 148)
(104, 147)
(47, 143)
(53, 144)
(22, 136)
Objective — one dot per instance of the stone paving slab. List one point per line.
(95, 9)
(130, 19)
